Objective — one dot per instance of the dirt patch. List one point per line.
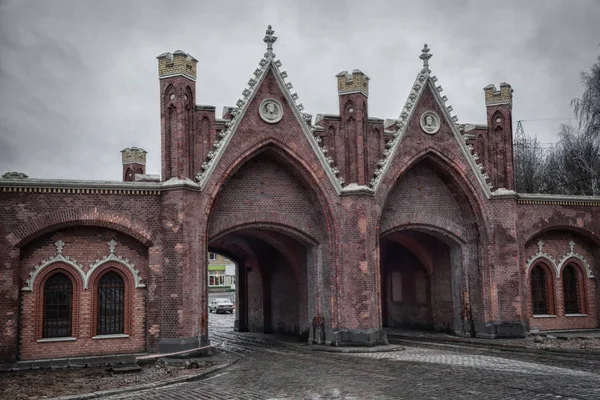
(43, 384)
(575, 343)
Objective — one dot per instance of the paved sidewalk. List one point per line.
(401, 336)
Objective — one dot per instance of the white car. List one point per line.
(221, 306)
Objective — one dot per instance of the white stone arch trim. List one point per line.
(137, 279)
(85, 277)
(541, 256)
(58, 257)
(573, 255)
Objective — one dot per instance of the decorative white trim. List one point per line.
(112, 336)
(57, 339)
(572, 254)
(264, 113)
(266, 64)
(544, 316)
(436, 119)
(177, 74)
(113, 257)
(575, 315)
(59, 257)
(541, 254)
(424, 78)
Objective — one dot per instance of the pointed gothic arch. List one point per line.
(461, 185)
(456, 231)
(285, 154)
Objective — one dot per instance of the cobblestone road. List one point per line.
(268, 370)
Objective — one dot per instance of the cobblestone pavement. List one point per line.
(274, 371)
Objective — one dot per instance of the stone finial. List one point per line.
(133, 155)
(494, 96)
(425, 56)
(14, 175)
(353, 82)
(59, 246)
(112, 245)
(176, 63)
(269, 40)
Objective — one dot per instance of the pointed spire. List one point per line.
(425, 56)
(269, 40)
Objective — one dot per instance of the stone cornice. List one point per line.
(65, 186)
(550, 199)
(79, 186)
(556, 199)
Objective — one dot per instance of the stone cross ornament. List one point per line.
(269, 40)
(425, 56)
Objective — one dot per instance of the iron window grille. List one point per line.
(111, 290)
(571, 290)
(58, 296)
(539, 291)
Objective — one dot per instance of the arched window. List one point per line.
(541, 291)
(571, 290)
(58, 297)
(111, 296)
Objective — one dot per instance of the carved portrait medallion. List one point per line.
(270, 111)
(430, 122)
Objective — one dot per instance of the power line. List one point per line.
(544, 119)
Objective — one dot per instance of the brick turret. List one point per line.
(499, 142)
(353, 91)
(177, 75)
(134, 162)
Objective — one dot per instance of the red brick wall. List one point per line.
(429, 185)
(499, 143)
(556, 246)
(265, 190)
(26, 216)
(84, 244)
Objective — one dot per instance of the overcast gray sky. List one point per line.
(78, 79)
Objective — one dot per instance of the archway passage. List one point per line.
(417, 282)
(271, 281)
(270, 217)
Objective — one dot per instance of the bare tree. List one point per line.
(587, 108)
(529, 159)
(572, 166)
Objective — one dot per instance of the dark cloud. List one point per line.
(78, 79)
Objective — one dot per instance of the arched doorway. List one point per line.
(271, 222)
(271, 280)
(418, 282)
(430, 238)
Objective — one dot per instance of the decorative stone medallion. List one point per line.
(430, 122)
(270, 111)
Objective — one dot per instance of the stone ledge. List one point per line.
(113, 336)
(58, 339)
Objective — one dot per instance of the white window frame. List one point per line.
(217, 275)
